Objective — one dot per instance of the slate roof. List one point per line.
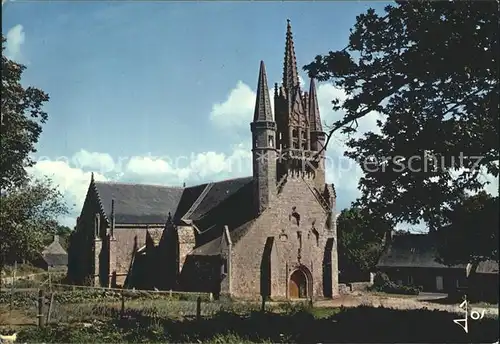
(54, 247)
(214, 247)
(139, 203)
(411, 251)
(487, 267)
(218, 193)
(54, 254)
(56, 259)
(151, 204)
(235, 209)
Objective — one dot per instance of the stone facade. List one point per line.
(295, 245)
(268, 235)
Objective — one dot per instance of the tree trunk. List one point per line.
(2, 260)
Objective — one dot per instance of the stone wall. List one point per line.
(186, 239)
(128, 241)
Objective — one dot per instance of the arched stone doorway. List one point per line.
(298, 285)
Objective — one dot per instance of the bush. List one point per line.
(382, 283)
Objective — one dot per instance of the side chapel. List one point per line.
(271, 234)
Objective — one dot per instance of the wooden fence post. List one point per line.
(122, 311)
(198, 308)
(50, 307)
(41, 302)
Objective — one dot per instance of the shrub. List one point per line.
(382, 283)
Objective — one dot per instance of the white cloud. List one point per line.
(15, 38)
(72, 174)
(238, 108)
(301, 82)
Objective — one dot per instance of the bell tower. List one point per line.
(263, 146)
(292, 119)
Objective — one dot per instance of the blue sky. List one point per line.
(163, 92)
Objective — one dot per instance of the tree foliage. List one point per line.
(430, 69)
(360, 240)
(22, 117)
(472, 233)
(27, 216)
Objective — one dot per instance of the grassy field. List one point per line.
(95, 317)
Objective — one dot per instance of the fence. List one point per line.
(48, 302)
(62, 303)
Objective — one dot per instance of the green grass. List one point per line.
(21, 270)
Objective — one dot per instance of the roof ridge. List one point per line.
(99, 200)
(167, 186)
(140, 184)
(228, 179)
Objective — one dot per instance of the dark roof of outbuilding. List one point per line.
(487, 267)
(54, 247)
(56, 259)
(411, 251)
(54, 254)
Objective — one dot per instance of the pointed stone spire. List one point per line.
(263, 111)
(314, 116)
(298, 113)
(92, 176)
(290, 73)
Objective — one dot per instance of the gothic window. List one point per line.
(223, 268)
(271, 141)
(299, 236)
(295, 145)
(316, 235)
(97, 225)
(295, 133)
(296, 215)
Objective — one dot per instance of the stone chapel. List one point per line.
(271, 234)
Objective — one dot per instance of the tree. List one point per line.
(22, 117)
(472, 233)
(27, 216)
(430, 69)
(29, 207)
(360, 241)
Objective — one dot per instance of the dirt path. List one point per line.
(396, 302)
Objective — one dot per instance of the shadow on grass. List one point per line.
(447, 300)
(353, 325)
